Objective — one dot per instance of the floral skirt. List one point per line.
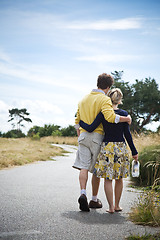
(112, 161)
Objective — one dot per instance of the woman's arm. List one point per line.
(91, 127)
(129, 139)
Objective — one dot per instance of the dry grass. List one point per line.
(147, 210)
(24, 150)
(61, 140)
(141, 141)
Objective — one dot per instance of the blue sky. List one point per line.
(52, 51)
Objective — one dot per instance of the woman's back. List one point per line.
(114, 132)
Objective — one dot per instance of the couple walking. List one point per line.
(101, 128)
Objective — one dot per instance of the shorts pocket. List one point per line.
(81, 138)
(97, 141)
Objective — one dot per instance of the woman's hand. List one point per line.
(135, 157)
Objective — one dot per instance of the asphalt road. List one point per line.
(39, 201)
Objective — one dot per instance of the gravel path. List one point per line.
(39, 201)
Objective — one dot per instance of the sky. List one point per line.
(52, 51)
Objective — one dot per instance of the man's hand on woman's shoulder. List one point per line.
(129, 120)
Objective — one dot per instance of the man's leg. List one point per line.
(83, 177)
(95, 202)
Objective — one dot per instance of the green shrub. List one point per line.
(69, 131)
(14, 134)
(32, 131)
(35, 137)
(56, 133)
(147, 210)
(149, 166)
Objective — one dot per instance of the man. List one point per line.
(89, 143)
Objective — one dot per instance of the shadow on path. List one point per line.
(94, 217)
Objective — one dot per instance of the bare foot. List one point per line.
(118, 209)
(110, 210)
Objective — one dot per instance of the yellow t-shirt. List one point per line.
(91, 105)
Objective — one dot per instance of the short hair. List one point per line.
(104, 80)
(116, 95)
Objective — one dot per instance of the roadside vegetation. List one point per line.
(144, 237)
(20, 151)
(147, 210)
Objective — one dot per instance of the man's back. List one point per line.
(91, 105)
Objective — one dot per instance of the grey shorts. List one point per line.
(89, 145)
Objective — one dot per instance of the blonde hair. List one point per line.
(116, 96)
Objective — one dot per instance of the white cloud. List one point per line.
(4, 116)
(120, 24)
(3, 107)
(37, 107)
(41, 112)
(109, 58)
(40, 74)
(41, 106)
(46, 22)
(153, 126)
(4, 56)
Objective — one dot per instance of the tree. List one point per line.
(147, 101)
(18, 115)
(33, 131)
(141, 100)
(47, 130)
(69, 131)
(126, 89)
(14, 133)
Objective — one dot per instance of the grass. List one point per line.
(141, 141)
(147, 210)
(14, 152)
(61, 140)
(144, 237)
(24, 150)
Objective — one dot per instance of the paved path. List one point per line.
(39, 201)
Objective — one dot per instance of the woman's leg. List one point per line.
(109, 194)
(118, 192)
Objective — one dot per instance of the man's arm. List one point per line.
(110, 115)
(77, 119)
(78, 132)
(127, 119)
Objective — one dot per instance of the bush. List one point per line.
(149, 166)
(35, 137)
(32, 131)
(52, 130)
(69, 131)
(147, 210)
(45, 131)
(56, 133)
(14, 134)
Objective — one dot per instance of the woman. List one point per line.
(113, 159)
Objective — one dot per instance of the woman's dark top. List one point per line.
(113, 132)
